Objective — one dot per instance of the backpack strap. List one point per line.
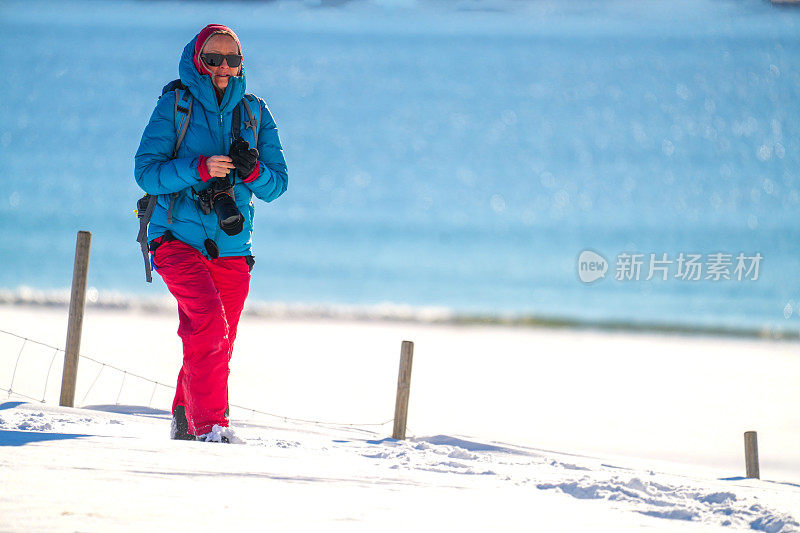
(253, 122)
(236, 119)
(172, 198)
(186, 110)
(148, 202)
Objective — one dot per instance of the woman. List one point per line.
(201, 251)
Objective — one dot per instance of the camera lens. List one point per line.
(231, 220)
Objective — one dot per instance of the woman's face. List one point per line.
(221, 44)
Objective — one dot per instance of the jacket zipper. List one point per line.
(222, 133)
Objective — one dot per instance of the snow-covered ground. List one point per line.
(511, 429)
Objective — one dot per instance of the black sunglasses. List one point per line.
(215, 60)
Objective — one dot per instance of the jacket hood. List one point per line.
(198, 79)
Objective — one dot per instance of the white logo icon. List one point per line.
(591, 266)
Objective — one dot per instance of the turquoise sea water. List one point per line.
(459, 155)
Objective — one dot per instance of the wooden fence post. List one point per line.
(77, 303)
(751, 454)
(403, 390)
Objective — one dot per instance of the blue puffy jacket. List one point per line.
(208, 133)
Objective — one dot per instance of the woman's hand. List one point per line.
(219, 165)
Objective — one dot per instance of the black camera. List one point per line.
(219, 198)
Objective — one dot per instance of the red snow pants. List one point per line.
(210, 295)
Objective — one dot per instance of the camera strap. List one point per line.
(236, 120)
(236, 123)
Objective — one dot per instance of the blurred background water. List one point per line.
(454, 154)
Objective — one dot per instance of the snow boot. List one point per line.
(220, 434)
(179, 429)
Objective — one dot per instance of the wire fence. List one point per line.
(127, 376)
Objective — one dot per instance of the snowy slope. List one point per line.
(512, 429)
(111, 468)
